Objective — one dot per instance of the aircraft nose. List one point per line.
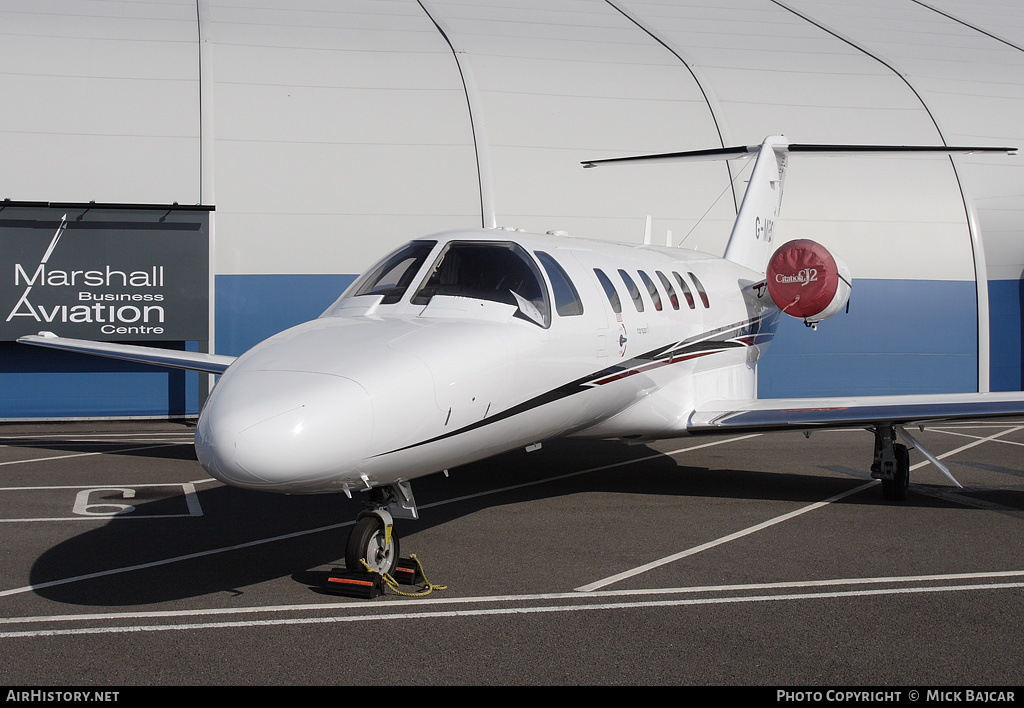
(281, 429)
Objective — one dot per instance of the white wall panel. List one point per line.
(778, 73)
(972, 84)
(1001, 18)
(99, 101)
(349, 116)
(570, 81)
(335, 123)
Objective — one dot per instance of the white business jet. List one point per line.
(466, 344)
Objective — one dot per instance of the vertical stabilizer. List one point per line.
(752, 240)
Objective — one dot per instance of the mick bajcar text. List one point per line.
(966, 695)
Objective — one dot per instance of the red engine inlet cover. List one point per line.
(804, 280)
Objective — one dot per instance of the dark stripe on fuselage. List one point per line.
(748, 333)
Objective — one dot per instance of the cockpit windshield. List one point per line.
(392, 276)
(495, 271)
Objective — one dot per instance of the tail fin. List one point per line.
(751, 239)
(751, 242)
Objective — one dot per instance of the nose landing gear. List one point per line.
(373, 538)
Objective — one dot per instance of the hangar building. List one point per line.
(275, 149)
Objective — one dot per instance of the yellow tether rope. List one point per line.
(393, 584)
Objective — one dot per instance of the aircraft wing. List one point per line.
(763, 415)
(196, 361)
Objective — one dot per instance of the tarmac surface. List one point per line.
(751, 560)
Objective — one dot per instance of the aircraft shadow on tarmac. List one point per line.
(236, 517)
(157, 449)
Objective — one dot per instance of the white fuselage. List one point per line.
(479, 347)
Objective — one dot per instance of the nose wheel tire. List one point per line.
(370, 541)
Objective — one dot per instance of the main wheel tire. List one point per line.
(897, 488)
(368, 541)
(901, 479)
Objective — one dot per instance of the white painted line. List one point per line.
(97, 486)
(259, 542)
(771, 522)
(88, 454)
(168, 561)
(969, 445)
(187, 490)
(393, 612)
(122, 517)
(94, 518)
(976, 437)
(720, 541)
(485, 599)
(48, 442)
(74, 435)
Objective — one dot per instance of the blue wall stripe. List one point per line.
(44, 383)
(1006, 336)
(251, 308)
(900, 336)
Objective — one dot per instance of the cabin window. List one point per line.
(633, 290)
(700, 289)
(489, 270)
(610, 291)
(685, 289)
(392, 276)
(567, 300)
(667, 284)
(652, 289)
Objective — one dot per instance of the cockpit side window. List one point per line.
(392, 276)
(495, 271)
(567, 300)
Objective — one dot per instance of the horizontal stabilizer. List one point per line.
(752, 240)
(764, 415)
(730, 153)
(742, 152)
(195, 361)
(897, 149)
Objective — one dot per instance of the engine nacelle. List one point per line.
(807, 281)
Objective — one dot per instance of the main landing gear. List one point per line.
(891, 463)
(892, 460)
(373, 538)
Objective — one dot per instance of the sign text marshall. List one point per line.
(104, 273)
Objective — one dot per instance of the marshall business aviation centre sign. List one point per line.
(105, 272)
